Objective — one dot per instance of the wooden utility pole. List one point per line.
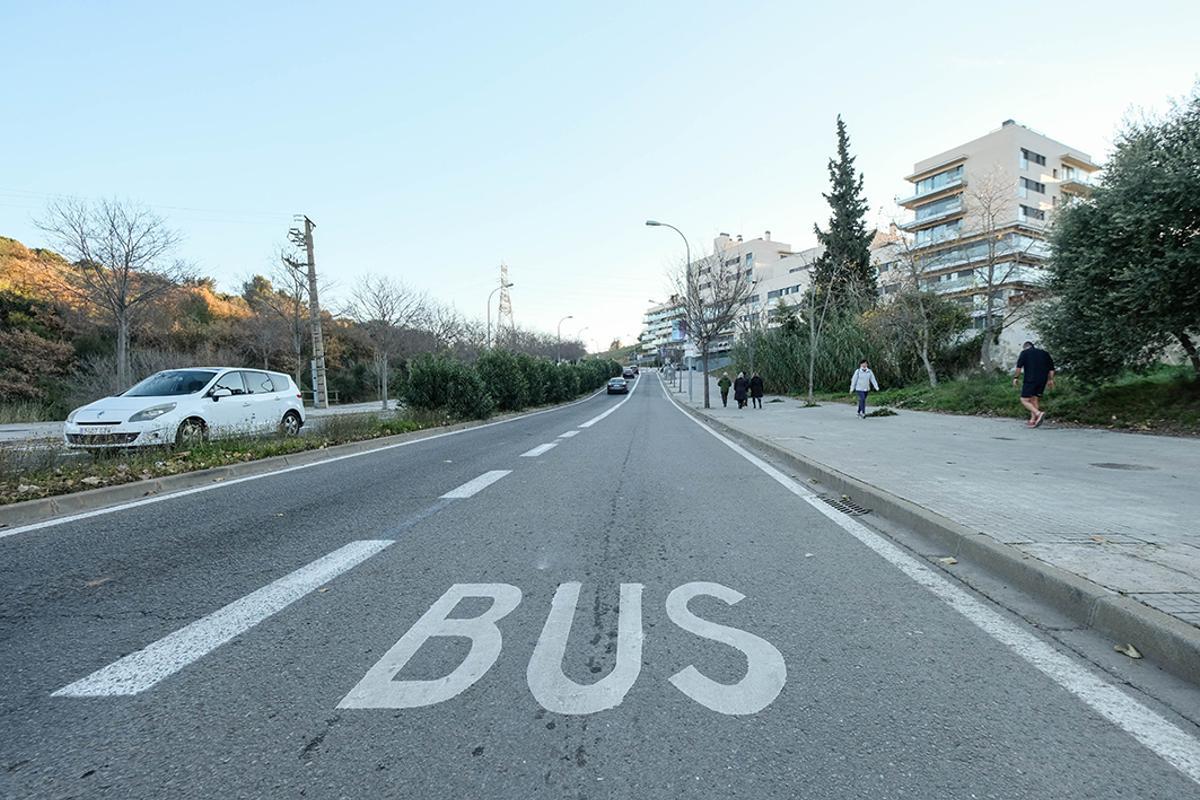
(305, 239)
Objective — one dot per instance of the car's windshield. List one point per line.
(172, 382)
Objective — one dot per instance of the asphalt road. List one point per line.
(288, 637)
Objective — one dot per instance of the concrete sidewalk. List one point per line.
(1120, 510)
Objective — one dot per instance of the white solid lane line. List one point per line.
(476, 485)
(139, 671)
(50, 523)
(537, 451)
(625, 400)
(568, 434)
(1155, 732)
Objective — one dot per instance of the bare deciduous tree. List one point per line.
(918, 325)
(283, 294)
(990, 207)
(121, 254)
(916, 319)
(446, 325)
(384, 307)
(713, 292)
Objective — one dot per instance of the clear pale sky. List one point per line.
(430, 141)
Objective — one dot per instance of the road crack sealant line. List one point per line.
(208, 487)
(1159, 735)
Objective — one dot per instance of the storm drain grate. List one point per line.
(844, 505)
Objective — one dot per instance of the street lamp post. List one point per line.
(688, 272)
(558, 339)
(489, 310)
(579, 337)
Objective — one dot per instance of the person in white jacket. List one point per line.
(861, 382)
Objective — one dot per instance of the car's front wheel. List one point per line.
(290, 425)
(190, 433)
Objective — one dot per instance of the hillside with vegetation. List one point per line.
(58, 346)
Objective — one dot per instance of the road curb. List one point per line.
(47, 508)
(1171, 643)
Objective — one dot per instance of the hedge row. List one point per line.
(499, 381)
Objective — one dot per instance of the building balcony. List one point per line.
(1077, 186)
(932, 194)
(933, 219)
(949, 238)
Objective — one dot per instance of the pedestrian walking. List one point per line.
(740, 387)
(724, 385)
(1035, 370)
(861, 382)
(756, 390)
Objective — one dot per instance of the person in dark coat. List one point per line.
(740, 387)
(756, 390)
(724, 385)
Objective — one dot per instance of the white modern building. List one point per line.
(980, 215)
(780, 276)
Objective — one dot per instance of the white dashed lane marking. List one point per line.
(476, 485)
(537, 451)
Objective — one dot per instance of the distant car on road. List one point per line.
(618, 386)
(628, 372)
(186, 406)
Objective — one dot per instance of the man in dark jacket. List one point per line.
(756, 390)
(740, 387)
(1035, 370)
(724, 385)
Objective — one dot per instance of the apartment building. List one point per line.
(662, 332)
(981, 208)
(779, 275)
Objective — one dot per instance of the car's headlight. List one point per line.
(71, 416)
(153, 412)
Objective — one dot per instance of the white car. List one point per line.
(186, 406)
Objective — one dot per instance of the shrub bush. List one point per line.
(535, 381)
(445, 384)
(504, 379)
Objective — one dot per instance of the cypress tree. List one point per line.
(845, 266)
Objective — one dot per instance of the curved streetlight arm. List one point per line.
(558, 339)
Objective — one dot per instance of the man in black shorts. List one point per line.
(1036, 368)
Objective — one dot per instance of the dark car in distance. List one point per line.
(618, 386)
(628, 372)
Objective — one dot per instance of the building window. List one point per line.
(1028, 212)
(1028, 186)
(1028, 156)
(749, 259)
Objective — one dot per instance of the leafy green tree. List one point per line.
(1126, 263)
(846, 262)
